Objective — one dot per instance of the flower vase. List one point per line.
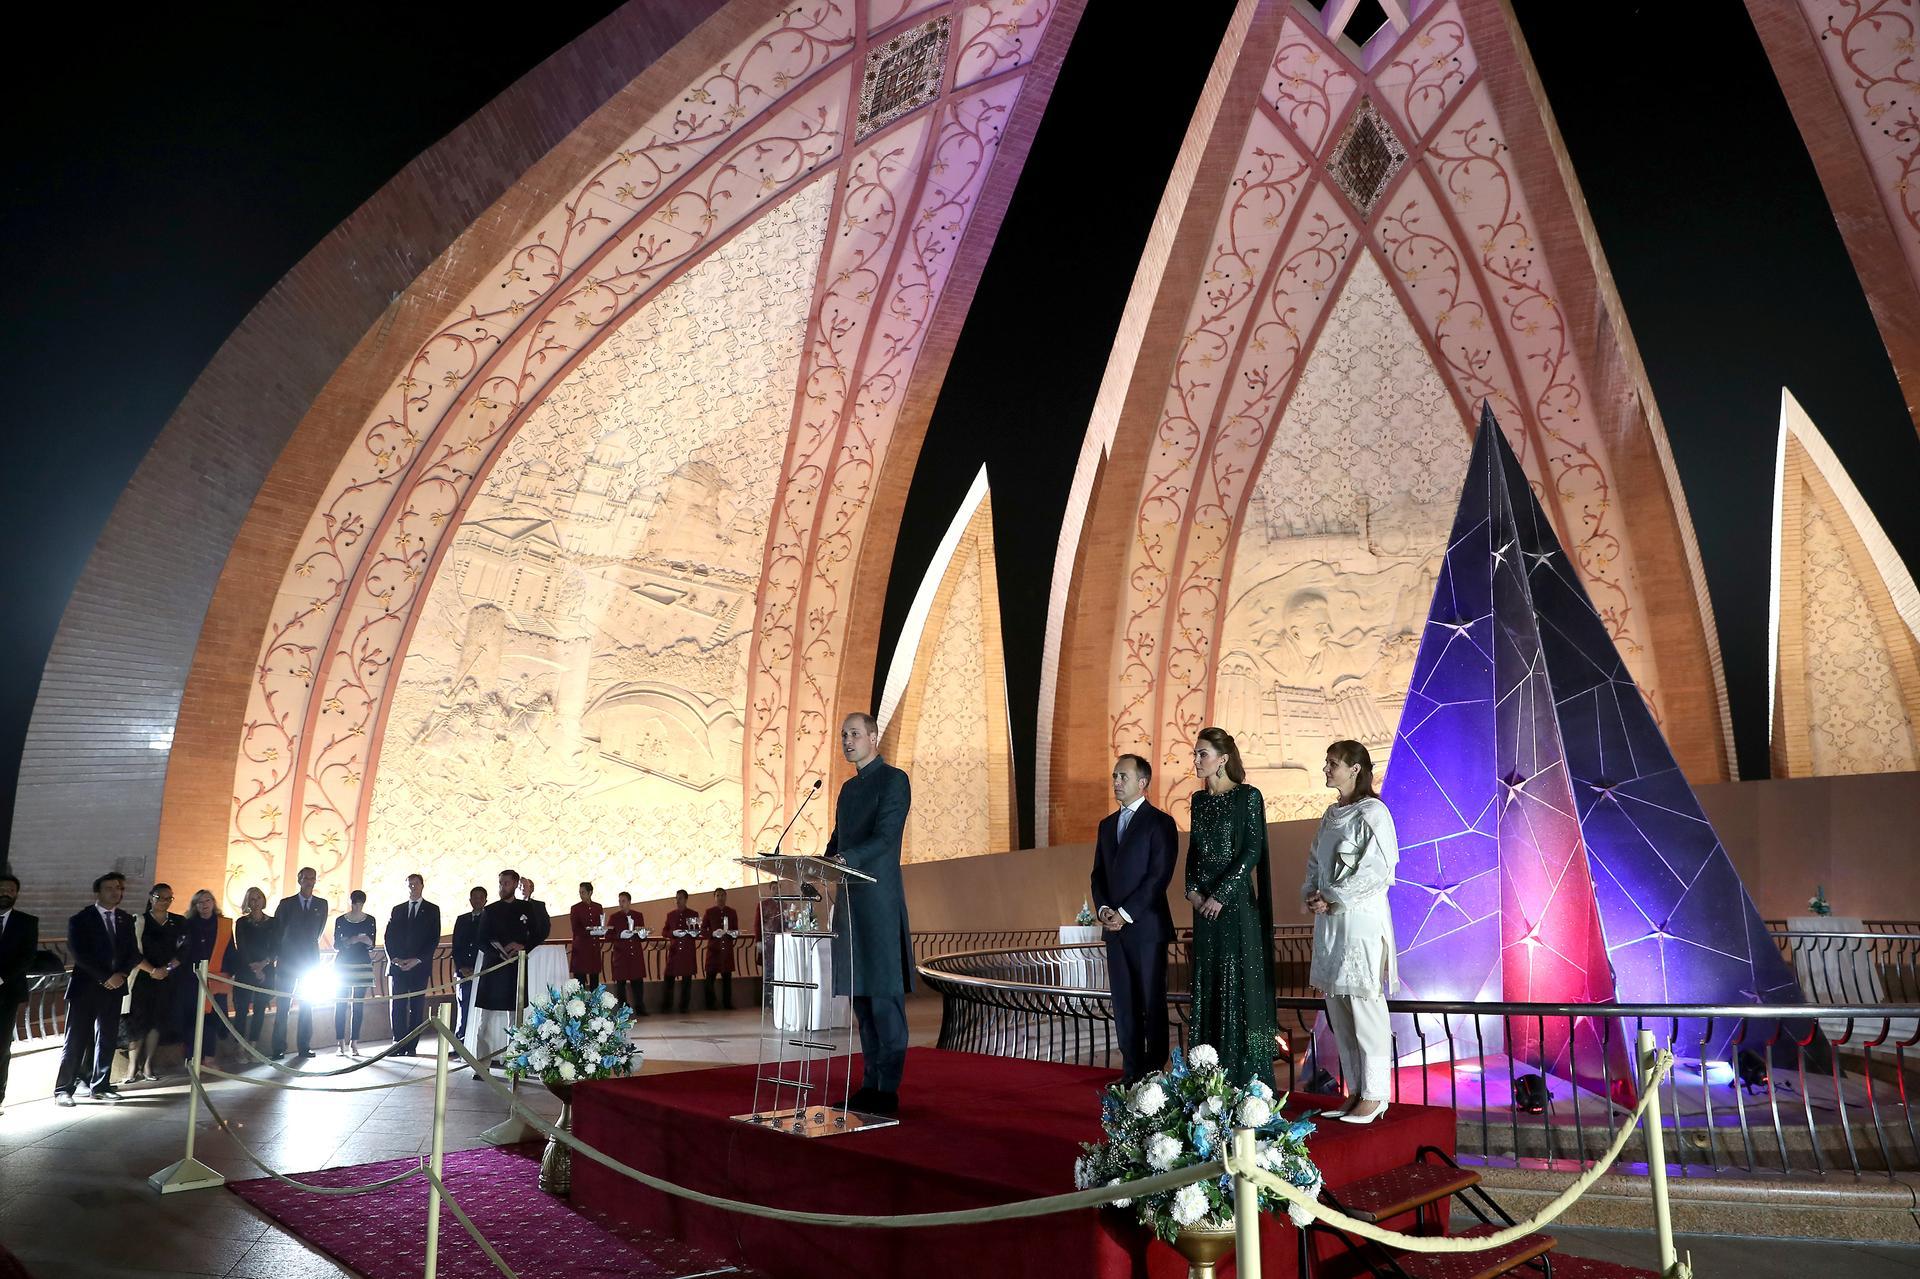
(1203, 1247)
(556, 1162)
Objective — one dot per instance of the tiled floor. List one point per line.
(1724, 1255)
(74, 1203)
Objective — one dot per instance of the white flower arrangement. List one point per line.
(561, 1043)
(1180, 1117)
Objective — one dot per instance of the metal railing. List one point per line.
(1854, 968)
(1804, 1088)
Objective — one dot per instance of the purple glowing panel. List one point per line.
(1446, 901)
(1679, 925)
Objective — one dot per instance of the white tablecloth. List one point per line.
(805, 959)
(1084, 969)
(546, 969)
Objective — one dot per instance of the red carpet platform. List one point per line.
(974, 1131)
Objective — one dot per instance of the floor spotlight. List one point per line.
(1530, 1094)
(1753, 1070)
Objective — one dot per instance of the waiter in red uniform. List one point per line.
(627, 929)
(723, 925)
(683, 952)
(583, 944)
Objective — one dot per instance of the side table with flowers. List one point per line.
(570, 1035)
(1181, 1117)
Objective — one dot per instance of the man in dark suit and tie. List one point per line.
(19, 940)
(413, 934)
(877, 967)
(302, 917)
(1133, 860)
(466, 951)
(100, 942)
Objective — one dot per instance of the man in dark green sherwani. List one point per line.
(868, 821)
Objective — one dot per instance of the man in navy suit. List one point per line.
(19, 940)
(302, 918)
(1133, 859)
(875, 966)
(466, 952)
(100, 940)
(413, 934)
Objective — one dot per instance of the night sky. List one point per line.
(206, 154)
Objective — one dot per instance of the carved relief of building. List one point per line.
(572, 695)
(587, 576)
(943, 710)
(1342, 537)
(1371, 237)
(1845, 661)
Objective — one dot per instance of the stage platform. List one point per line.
(974, 1131)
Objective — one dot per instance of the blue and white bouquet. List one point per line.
(572, 1034)
(1181, 1117)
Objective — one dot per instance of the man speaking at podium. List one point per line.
(868, 820)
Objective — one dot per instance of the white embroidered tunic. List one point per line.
(1354, 854)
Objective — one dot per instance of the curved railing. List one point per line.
(1785, 1088)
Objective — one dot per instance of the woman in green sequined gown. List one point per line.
(1232, 895)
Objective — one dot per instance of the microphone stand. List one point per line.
(811, 792)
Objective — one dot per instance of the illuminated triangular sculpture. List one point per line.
(1551, 850)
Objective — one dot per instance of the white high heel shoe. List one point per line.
(1369, 1117)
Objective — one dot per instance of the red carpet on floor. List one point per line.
(383, 1235)
(974, 1131)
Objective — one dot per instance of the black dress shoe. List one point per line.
(862, 1100)
(884, 1103)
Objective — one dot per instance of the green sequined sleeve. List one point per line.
(1249, 841)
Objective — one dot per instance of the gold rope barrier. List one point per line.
(236, 984)
(1657, 1070)
(1238, 1160)
(1251, 1171)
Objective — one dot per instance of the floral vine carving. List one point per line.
(1270, 175)
(1302, 287)
(1431, 72)
(1307, 87)
(999, 35)
(1875, 40)
(401, 450)
(1471, 168)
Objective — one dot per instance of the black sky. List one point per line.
(203, 154)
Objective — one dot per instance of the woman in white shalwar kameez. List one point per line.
(1349, 871)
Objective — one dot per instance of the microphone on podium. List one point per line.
(811, 792)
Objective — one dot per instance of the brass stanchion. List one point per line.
(1246, 1208)
(512, 1130)
(436, 1161)
(1657, 1157)
(190, 1173)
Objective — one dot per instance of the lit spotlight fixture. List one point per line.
(318, 986)
(1530, 1094)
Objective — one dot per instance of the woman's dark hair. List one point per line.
(1222, 741)
(1354, 755)
(357, 896)
(155, 891)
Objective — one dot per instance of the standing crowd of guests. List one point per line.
(132, 985)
